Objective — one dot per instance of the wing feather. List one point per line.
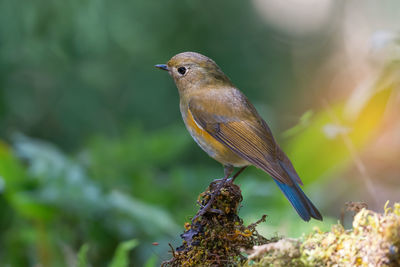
(246, 136)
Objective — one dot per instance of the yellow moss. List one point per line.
(373, 241)
(218, 237)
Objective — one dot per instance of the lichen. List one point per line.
(219, 238)
(284, 252)
(374, 240)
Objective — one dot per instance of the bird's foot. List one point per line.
(219, 184)
(220, 212)
(222, 180)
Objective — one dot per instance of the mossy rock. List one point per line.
(373, 241)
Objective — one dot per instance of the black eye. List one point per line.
(182, 70)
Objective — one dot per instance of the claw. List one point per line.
(217, 211)
(217, 181)
(220, 183)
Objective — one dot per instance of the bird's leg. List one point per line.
(227, 171)
(236, 174)
(231, 180)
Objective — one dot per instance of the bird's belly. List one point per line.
(214, 148)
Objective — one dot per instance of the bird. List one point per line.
(226, 125)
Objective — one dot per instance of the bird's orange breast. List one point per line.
(212, 146)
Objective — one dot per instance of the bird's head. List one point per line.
(193, 71)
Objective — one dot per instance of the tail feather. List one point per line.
(302, 204)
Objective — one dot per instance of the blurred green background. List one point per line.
(95, 162)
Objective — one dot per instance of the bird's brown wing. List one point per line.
(237, 125)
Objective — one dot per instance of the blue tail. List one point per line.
(304, 207)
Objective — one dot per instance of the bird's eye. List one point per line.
(182, 70)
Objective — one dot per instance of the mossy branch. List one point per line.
(219, 238)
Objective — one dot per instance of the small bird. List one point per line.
(227, 126)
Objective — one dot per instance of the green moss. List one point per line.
(219, 237)
(373, 241)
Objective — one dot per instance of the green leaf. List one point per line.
(12, 173)
(82, 256)
(121, 256)
(151, 262)
(152, 219)
(29, 206)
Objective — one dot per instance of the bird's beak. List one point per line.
(162, 67)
